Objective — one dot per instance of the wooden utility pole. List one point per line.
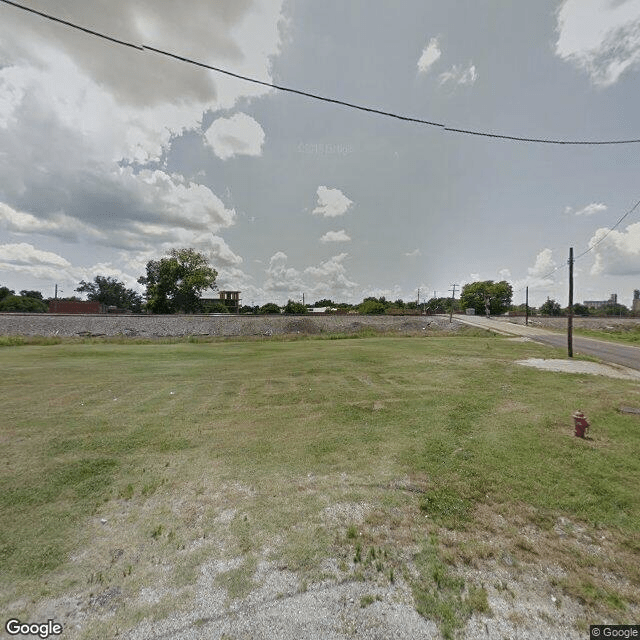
(526, 307)
(570, 314)
(453, 297)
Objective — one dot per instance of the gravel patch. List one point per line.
(581, 366)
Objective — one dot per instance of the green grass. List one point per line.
(626, 335)
(239, 449)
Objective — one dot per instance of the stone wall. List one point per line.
(40, 324)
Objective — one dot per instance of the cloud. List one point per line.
(458, 75)
(616, 252)
(330, 279)
(413, 254)
(281, 278)
(543, 265)
(589, 210)
(430, 54)
(335, 236)
(26, 254)
(238, 135)
(331, 203)
(600, 37)
(85, 125)
(142, 211)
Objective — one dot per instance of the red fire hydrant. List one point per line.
(580, 423)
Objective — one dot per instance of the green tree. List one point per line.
(270, 307)
(615, 309)
(5, 291)
(246, 308)
(580, 309)
(175, 283)
(24, 304)
(218, 307)
(478, 295)
(294, 307)
(36, 295)
(111, 292)
(325, 302)
(371, 306)
(551, 308)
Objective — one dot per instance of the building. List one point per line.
(598, 304)
(230, 299)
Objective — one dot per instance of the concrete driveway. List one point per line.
(621, 354)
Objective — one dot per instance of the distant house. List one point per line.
(230, 299)
(75, 306)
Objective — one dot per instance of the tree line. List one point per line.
(176, 282)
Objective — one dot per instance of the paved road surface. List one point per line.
(624, 355)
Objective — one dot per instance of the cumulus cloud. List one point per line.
(152, 209)
(26, 254)
(331, 203)
(85, 125)
(600, 37)
(589, 210)
(281, 278)
(238, 135)
(335, 236)
(616, 252)
(543, 265)
(430, 54)
(459, 75)
(328, 279)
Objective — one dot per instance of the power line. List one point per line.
(314, 96)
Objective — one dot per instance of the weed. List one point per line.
(352, 532)
(157, 532)
(368, 599)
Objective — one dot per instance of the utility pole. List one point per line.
(55, 297)
(526, 307)
(418, 302)
(303, 299)
(570, 314)
(453, 297)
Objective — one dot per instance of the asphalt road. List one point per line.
(615, 353)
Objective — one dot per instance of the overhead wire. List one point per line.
(308, 94)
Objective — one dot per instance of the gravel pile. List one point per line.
(39, 324)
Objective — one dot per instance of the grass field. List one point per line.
(126, 468)
(626, 335)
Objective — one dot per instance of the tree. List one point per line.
(24, 304)
(175, 283)
(246, 308)
(615, 309)
(5, 291)
(217, 307)
(580, 309)
(496, 296)
(325, 302)
(270, 307)
(294, 307)
(551, 308)
(111, 292)
(36, 295)
(371, 306)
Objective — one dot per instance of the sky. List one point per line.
(111, 156)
